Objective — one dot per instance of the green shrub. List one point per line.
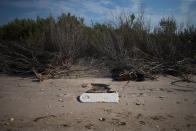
(72, 39)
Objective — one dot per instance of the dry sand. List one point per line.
(158, 105)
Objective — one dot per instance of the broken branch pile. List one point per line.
(139, 69)
(18, 59)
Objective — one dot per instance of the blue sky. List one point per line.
(99, 10)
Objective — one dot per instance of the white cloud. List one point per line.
(106, 2)
(185, 5)
(136, 5)
(95, 9)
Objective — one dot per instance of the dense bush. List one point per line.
(129, 38)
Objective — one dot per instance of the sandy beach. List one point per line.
(165, 104)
